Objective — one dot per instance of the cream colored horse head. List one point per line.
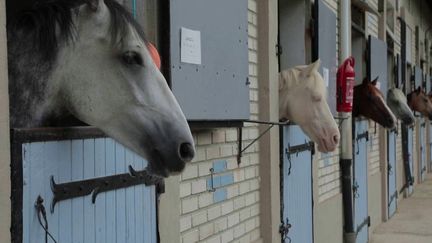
(302, 100)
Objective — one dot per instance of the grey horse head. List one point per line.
(397, 102)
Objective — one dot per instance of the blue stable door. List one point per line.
(297, 199)
(430, 148)
(410, 159)
(124, 215)
(422, 160)
(391, 173)
(360, 185)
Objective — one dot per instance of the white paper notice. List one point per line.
(326, 76)
(190, 46)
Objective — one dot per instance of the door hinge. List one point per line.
(279, 50)
(284, 229)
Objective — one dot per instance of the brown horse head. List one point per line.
(369, 102)
(420, 102)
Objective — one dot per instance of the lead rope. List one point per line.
(40, 209)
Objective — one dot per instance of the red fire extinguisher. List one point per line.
(345, 85)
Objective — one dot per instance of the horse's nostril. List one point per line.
(336, 139)
(186, 152)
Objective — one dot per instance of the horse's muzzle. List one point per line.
(166, 163)
(408, 120)
(390, 123)
(186, 152)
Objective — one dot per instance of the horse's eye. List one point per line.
(132, 58)
(316, 97)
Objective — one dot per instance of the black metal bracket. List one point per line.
(240, 136)
(212, 189)
(355, 188)
(307, 146)
(284, 229)
(279, 50)
(392, 197)
(390, 169)
(366, 222)
(359, 137)
(95, 186)
(364, 135)
(296, 149)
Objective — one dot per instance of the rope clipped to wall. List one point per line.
(41, 214)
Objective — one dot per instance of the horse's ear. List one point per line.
(154, 54)
(94, 4)
(315, 66)
(374, 82)
(365, 81)
(418, 90)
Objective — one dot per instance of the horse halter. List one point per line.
(154, 54)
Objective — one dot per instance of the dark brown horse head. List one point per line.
(369, 102)
(420, 102)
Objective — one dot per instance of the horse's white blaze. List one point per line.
(302, 99)
(131, 103)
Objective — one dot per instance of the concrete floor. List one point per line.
(413, 221)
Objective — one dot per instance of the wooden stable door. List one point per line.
(360, 182)
(391, 173)
(422, 159)
(124, 215)
(410, 158)
(430, 148)
(297, 204)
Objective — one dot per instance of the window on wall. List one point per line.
(358, 19)
(391, 16)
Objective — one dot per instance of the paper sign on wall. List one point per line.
(190, 47)
(326, 76)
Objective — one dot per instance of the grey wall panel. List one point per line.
(418, 77)
(408, 46)
(428, 83)
(392, 79)
(292, 25)
(325, 48)
(218, 88)
(399, 71)
(378, 63)
(358, 46)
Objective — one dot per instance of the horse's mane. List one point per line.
(49, 23)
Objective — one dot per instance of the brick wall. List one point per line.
(373, 148)
(372, 20)
(328, 163)
(231, 212)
